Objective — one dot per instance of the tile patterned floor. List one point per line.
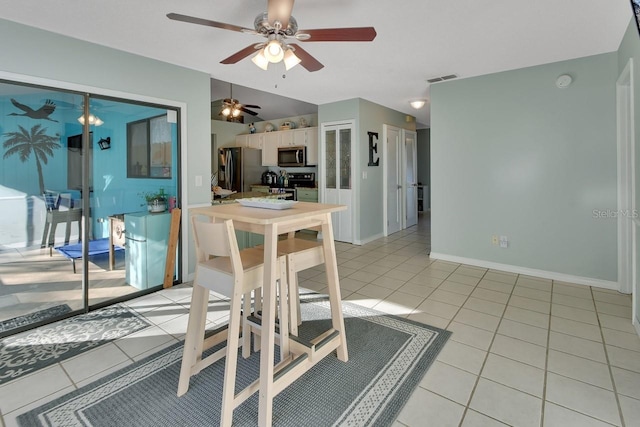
(525, 351)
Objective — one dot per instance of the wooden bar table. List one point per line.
(271, 223)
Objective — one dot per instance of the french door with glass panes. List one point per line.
(337, 172)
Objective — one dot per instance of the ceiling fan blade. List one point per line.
(355, 34)
(252, 106)
(306, 60)
(279, 10)
(208, 23)
(241, 54)
(253, 113)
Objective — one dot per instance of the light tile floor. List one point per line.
(525, 351)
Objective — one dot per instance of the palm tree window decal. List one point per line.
(24, 142)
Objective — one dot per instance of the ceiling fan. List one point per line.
(232, 109)
(278, 26)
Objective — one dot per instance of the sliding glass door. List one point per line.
(76, 230)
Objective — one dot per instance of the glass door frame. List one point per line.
(89, 92)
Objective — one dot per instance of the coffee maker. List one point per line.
(269, 178)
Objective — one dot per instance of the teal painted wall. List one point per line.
(372, 118)
(511, 154)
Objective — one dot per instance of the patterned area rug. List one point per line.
(32, 350)
(388, 356)
(31, 318)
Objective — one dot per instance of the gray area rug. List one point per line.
(29, 351)
(31, 318)
(388, 356)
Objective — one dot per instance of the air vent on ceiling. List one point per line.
(442, 78)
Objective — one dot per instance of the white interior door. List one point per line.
(628, 224)
(410, 178)
(336, 169)
(393, 182)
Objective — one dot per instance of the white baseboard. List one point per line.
(368, 239)
(588, 281)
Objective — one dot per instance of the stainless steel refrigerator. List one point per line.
(239, 168)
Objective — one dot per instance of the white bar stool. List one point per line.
(235, 274)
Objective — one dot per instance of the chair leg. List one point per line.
(194, 337)
(67, 232)
(246, 326)
(294, 298)
(231, 362)
(284, 309)
(257, 306)
(45, 234)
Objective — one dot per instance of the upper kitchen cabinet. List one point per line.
(270, 148)
(269, 142)
(311, 142)
(253, 140)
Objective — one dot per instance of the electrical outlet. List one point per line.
(504, 242)
(494, 240)
(198, 180)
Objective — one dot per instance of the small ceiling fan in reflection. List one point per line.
(278, 27)
(232, 109)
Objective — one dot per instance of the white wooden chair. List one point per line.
(235, 274)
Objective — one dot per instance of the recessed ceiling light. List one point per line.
(418, 103)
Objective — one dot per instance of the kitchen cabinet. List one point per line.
(311, 142)
(270, 148)
(248, 240)
(292, 138)
(260, 188)
(269, 142)
(253, 140)
(242, 141)
(307, 194)
(304, 194)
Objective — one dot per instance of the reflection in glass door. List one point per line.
(135, 185)
(39, 211)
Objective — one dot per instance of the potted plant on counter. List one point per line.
(156, 200)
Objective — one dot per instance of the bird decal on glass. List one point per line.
(41, 113)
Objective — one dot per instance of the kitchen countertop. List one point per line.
(246, 194)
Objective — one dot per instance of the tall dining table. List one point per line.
(271, 223)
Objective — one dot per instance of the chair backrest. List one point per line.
(51, 200)
(216, 239)
(65, 202)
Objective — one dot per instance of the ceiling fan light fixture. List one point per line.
(418, 103)
(93, 120)
(290, 59)
(226, 111)
(235, 112)
(260, 60)
(273, 51)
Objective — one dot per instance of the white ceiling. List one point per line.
(417, 39)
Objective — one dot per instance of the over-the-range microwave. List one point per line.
(292, 156)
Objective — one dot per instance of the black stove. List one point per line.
(302, 179)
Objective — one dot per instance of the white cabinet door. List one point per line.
(254, 140)
(270, 142)
(311, 142)
(286, 138)
(242, 141)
